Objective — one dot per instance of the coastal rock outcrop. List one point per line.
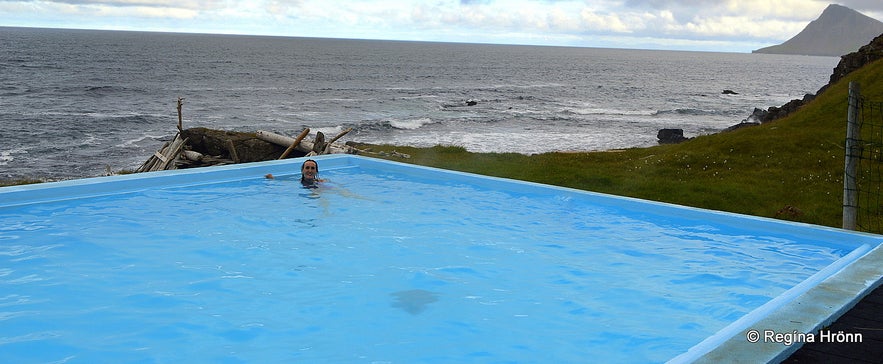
(848, 63)
(855, 60)
(671, 136)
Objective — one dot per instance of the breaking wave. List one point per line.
(690, 112)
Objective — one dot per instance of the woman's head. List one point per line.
(308, 170)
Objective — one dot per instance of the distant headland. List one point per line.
(838, 31)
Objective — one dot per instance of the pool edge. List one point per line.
(807, 313)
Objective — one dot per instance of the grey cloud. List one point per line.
(863, 5)
(665, 4)
(180, 4)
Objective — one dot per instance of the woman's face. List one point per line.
(309, 170)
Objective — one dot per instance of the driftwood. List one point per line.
(304, 146)
(208, 147)
(164, 158)
(232, 149)
(200, 147)
(192, 155)
(339, 135)
(295, 143)
(180, 115)
(319, 143)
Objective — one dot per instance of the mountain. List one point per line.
(838, 31)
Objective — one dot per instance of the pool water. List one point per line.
(382, 263)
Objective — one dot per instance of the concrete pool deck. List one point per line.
(811, 313)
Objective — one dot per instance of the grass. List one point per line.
(19, 181)
(791, 168)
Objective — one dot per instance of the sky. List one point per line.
(695, 25)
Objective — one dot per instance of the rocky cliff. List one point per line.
(848, 63)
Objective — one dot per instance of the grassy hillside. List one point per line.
(791, 168)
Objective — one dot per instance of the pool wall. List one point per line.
(805, 308)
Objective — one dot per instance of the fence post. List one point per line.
(853, 152)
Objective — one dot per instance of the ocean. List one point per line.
(76, 103)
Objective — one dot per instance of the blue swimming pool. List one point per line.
(384, 263)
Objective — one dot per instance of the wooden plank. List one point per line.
(171, 153)
(233, 153)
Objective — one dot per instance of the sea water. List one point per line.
(381, 265)
(74, 103)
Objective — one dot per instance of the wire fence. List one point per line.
(864, 150)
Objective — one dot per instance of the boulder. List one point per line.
(671, 136)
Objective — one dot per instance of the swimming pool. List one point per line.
(386, 263)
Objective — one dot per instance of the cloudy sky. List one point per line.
(703, 25)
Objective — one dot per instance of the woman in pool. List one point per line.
(309, 172)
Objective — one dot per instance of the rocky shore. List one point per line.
(848, 63)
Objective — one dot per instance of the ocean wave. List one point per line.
(689, 111)
(31, 63)
(410, 124)
(134, 142)
(128, 117)
(395, 124)
(459, 105)
(603, 111)
(101, 91)
(330, 131)
(8, 155)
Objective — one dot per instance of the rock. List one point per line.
(774, 113)
(756, 116)
(741, 125)
(671, 136)
(471, 102)
(855, 60)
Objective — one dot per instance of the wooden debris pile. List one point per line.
(201, 147)
(165, 157)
